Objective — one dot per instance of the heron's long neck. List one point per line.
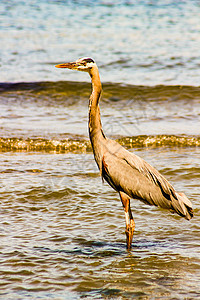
(97, 136)
(95, 127)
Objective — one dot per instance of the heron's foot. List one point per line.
(129, 234)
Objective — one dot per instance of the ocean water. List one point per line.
(135, 42)
(62, 229)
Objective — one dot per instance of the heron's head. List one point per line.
(84, 64)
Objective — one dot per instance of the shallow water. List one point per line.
(62, 229)
(58, 110)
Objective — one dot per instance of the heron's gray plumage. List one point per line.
(126, 172)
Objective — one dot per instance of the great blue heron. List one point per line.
(127, 173)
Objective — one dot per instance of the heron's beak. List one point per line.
(70, 65)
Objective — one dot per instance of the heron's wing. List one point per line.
(140, 165)
(128, 172)
(148, 171)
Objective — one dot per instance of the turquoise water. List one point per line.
(62, 229)
(143, 42)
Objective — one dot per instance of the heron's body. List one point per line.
(127, 173)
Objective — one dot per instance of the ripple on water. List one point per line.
(61, 235)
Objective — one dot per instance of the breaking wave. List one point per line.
(74, 145)
(111, 91)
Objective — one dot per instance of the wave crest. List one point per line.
(83, 146)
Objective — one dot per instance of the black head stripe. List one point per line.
(88, 60)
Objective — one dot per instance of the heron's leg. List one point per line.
(130, 224)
